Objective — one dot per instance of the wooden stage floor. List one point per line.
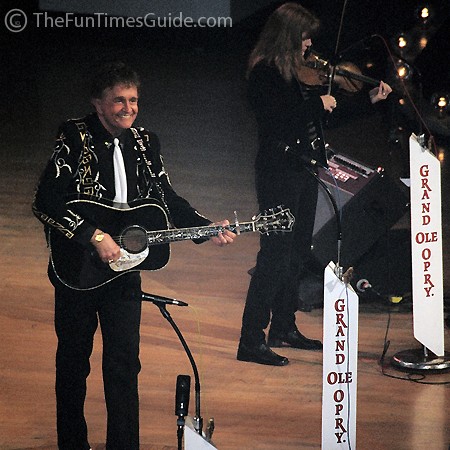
(208, 140)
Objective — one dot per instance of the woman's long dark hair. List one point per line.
(281, 39)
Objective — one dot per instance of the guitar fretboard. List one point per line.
(184, 234)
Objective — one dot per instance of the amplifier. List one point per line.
(369, 203)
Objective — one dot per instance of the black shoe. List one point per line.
(260, 354)
(293, 339)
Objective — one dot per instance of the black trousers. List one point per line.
(273, 292)
(77, 314)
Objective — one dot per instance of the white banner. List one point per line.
(340, 361)
(193, 440)
(426, 247)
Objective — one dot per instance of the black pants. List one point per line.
(273, 288)
(117, 307)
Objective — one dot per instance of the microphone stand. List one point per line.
(161, 303)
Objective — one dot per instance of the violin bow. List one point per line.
(335, 57)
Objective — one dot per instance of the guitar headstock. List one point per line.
(274, 219)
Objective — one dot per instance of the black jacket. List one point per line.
(82, 163)
(282, 113)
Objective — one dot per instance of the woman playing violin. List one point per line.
(290, 137)
(315, 73)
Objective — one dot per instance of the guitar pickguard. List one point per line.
(128, 260)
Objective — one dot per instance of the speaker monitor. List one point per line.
(370, 203)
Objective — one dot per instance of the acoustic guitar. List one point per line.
(141, 229)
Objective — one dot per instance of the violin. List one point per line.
(316, 72)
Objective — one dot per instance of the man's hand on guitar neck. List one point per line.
(106, 247)
(225, 238)
(108, 250)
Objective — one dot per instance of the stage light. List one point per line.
(424, 13)
(441, 102)
(402, 41)
(423, 41)
(403, 70)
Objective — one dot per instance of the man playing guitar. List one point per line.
(103, 158)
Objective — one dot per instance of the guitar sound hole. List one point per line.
(134, 239)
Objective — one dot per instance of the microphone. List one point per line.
(182, 395)
(362, 285)
(162, 301)
(305, 159)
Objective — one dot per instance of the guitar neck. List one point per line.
(204, 232)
